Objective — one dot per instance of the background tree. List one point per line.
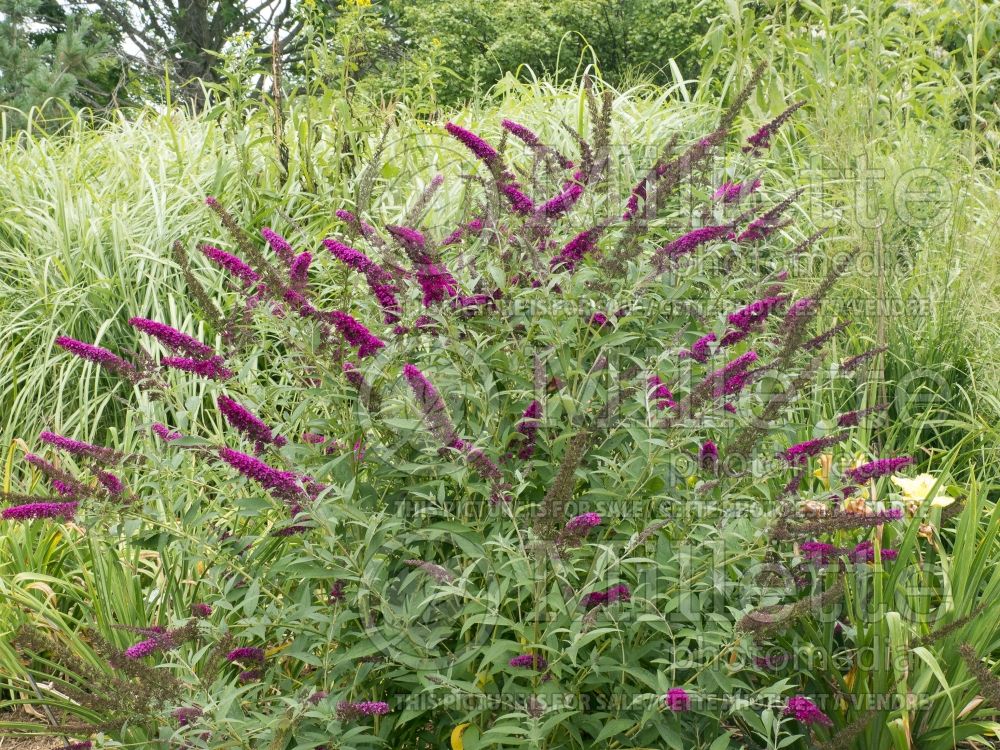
(48, 53)
(188, 36)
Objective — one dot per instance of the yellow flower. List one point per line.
(435, 42)
(456, 736)
(823, 472)
(692, 481)
(916, 490)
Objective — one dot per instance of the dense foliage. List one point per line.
(543, 476)
(636, 415)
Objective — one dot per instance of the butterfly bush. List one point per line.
(540, 402)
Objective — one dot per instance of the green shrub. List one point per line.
(548, 483)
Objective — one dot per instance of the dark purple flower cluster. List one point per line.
(278, 244)
(157, 642)
(246, 654)
(298, 273)
(229, 262)
(574, 251)
(619, 593)
(566, 198)
(187, 715)
(528, 427)
(110, 482)
(734, 192)
(529, 661)
(806, 711)
(355, 334)
(756, 312)
(798, 311)
(519, 131)
(431, 405)
(79, 448)
(708, 456)
(677, 700)
(353, 710)
(379, 280)
(31, 511)
(436, 282)
(800, 452)
(482, 150)
(690, 241)
(213, 368)
(96, 354)
(283, 484)
(248, 423)
(853, 418)
(173, 339)
(699, 349)
(659, 393)
(877, 468)
(164, 433)
(761, 140)
(577, 528)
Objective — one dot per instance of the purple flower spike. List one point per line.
(567, 197)
(283, 484)
(529, 661)
(79, 448)
(171, 338)
(677, 700)
(756, 312)
(186, 715)
(144, 648)
(519, 202)
(31, 511)
(520, 132)
(230, 263)
(574, 251)
(798, 453)
(584, 522)
(805, 711)
(96, 354)
(689, 242)
(246, 654)
(212, 368)
(659, 393)
(110, 482)
(278, 244)
(298, 274)
(355, 334)
(248, 423)
(528, 426)
(354, 710)
(734, 192)
(699, 349)
(201, 610)
(164, 433)
(482, 150)
(878, 468)
(708, 456)
(437, 284)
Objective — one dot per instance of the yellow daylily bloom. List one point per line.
(823, 472)
(277, 649)
(456, 736)
(917, 489)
